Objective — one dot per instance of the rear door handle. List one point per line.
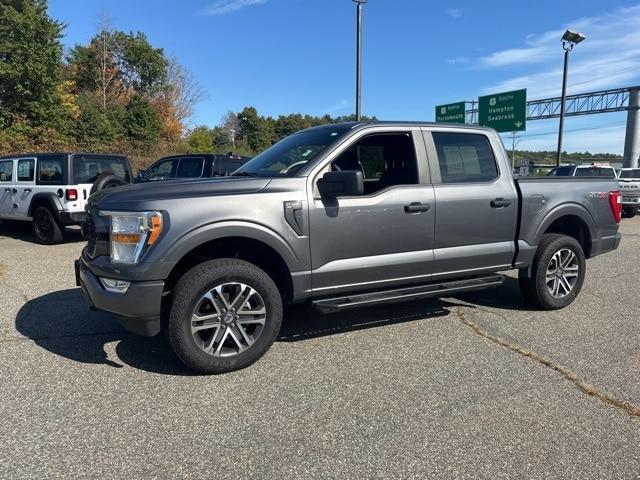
(27, 190)
(416, 207)
(500, 203)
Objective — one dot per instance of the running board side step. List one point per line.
(338, 304)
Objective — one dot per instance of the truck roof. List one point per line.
(400, 123)
(35, 154)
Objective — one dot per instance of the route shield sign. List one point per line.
(451, 113)
(506, 112)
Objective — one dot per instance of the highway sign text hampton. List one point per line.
(506, 112)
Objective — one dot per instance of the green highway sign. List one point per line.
(506, 112)
(451, 113)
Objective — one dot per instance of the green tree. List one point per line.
(116, 64)
(257, 131)
(140, 122)
(200, 140)
(30, 63)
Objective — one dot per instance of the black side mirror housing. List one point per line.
(345, 183)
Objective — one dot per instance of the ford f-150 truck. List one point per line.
(343, 216)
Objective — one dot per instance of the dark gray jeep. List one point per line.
(343, 216)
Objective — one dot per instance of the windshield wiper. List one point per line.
(244, 174)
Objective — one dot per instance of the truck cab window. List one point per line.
(6, 170)
(50, 170)
(25, 170)
(465, 157)
(385, 160)
(190, 167)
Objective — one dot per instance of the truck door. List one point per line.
(385, 236)
(6, 188)
(476, 202)
(25, 181)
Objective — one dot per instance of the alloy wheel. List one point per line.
(562, 273)
(228, 319)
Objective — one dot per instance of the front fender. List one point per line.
(224, 229)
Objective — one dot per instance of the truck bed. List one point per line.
(586, 200)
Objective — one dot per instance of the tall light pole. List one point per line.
(569, 40)
(359, 58)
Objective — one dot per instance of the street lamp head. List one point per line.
(571, 38)
(361, 2)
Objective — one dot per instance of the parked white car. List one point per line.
(51, 189)
(629, 179)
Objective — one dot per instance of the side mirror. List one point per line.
(345, 183)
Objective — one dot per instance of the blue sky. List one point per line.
(285, 56)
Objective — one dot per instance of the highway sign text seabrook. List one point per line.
(506, 112)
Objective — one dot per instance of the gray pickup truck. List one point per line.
(345, 215)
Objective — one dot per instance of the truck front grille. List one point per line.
(88, 229)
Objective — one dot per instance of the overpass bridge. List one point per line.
(590, 103)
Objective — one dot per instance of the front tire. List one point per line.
(46, 229)
(225, 314)
(557, 273)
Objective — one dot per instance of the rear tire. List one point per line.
(557, 273)
(47, 230)
(225, 314)
(629, 212)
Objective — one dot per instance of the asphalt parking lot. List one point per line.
(477, 386)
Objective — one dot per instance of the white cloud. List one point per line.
(458, 60)
(609, 57)
(222, 7)
(454, 12)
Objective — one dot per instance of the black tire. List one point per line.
(186, 297)
(47, 230)
(105, 181)
(534, 289)
(629, 212)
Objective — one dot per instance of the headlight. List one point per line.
(132, 233)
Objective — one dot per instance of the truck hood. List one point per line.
(131, 197)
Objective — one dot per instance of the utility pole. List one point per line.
(359, 58)
(514, 137)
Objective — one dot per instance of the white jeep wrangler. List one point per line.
(51, 189)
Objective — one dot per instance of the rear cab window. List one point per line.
(607, 172)
(87, 168)
(190, 167)
(465, 157)
(227, 165)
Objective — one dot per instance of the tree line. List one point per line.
(118, 93)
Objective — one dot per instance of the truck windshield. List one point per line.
(86, 168)
(635, 173)
(290, 155)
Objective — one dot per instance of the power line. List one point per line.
(597, 127)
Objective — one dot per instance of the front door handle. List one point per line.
(500, 203)
(416, 207)
(9, 190)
